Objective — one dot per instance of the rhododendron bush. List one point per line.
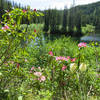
(57, 70)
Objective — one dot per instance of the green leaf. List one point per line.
(1, 74)
(41, 14)
(6, 90)
(18, 18)
(37, 14)
(20, 98)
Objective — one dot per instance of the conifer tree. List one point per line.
(64, 24)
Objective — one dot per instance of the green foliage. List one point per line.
(88, 30)
(14, 39)
(13, 42)
(32, 68)
(65, 83)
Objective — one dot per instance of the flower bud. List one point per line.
(73, 67)
(1, 74)
(82, 67)
(64, 67)
(50, 53)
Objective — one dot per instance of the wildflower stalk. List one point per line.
(79, 58)
(89, 91)
(63, 90)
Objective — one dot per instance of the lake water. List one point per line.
(44, 39)
(95, 37)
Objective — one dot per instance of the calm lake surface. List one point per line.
(95, 37)
(46, 38)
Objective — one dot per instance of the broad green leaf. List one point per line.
(20, 98)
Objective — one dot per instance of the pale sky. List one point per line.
(45, 4)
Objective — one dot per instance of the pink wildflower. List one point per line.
(24, 11)
(39, 68)
(62, 58)
(34, 9)
(50, 53)
(37, 74)
(58, 58)
(82, 44)
(68, 58)
(64, 67)
(42, 79)
(32, 68)
(73, 59)
(6, 27)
